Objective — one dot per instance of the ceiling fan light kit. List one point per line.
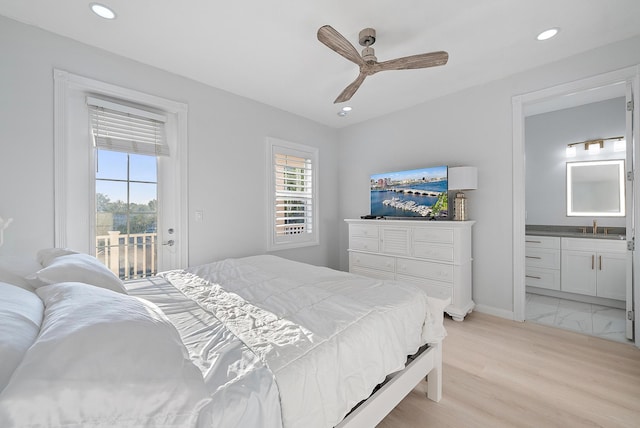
(368, 62)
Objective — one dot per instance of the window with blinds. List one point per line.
(122, 128)
(293, 186)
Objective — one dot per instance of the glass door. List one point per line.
(126, 226)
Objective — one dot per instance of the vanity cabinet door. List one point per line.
(612, 275)
(579, 272)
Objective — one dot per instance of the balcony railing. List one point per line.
(128, 256)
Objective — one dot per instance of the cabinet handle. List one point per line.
(534, 242)
(534, 277)
(593, 261)
(533, 257)
(600, 261)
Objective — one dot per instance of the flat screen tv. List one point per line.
(418, 193)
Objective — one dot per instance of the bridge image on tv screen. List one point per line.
(411, 193)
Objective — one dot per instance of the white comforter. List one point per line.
(243, 389)
(328, 337)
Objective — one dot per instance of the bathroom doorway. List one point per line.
(549, 110)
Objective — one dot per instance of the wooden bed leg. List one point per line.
(434, 377)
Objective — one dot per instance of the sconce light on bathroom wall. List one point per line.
(595, 146)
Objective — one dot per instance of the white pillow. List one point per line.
(20, 318)
(14, 269)
(103, 359)
(79, 268)
(46, 255)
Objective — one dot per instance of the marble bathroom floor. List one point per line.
(594, 320)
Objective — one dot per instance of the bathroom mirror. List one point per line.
(596, 188)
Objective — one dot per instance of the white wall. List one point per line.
(226, 140)
(472, 127)
(226, 145)
(546, 139)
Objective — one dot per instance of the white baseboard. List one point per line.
(491, 310)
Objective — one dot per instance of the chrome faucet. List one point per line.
(595, 227)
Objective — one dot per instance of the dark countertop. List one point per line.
(618, 233)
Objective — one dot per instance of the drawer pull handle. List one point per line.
(593, 261)
(534, 277)
(534, 242)
(533, 257)
(600, 261)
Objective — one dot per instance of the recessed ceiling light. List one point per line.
(102, 11)
(547, 34)
(342, 113)
(347, 108)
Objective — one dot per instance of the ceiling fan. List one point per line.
(368, 62)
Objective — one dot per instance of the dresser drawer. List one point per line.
(542, 278)
(437, 271)
(542, 258)
(533, 241)
(372, 273)
(438, 289)
(364, 244)
(372, 261)
(425, 250)
(363, 230)
(441, 236)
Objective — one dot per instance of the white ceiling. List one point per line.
(268, 50)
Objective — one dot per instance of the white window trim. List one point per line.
(293, 241)
(64, 84)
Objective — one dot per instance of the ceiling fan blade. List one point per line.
(432, 59)
(336, 42)
(351, 89)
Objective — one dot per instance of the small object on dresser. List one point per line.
(462, 178)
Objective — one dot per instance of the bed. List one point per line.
(249, 342)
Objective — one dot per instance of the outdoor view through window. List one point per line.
(127, 213)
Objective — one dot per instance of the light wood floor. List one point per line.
(501, 373)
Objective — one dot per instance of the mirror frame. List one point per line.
(621, 212)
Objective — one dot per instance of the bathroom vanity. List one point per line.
(575, 260)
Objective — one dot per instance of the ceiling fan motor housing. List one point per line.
(369, 55)
(367, 37)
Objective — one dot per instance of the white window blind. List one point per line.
(294, 192)
(123, 128)
(294, 196)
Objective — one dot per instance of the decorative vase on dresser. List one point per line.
(435, 255)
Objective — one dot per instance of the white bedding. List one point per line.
(243, 389)
(258, 342)
(327, 336)
(102, 359)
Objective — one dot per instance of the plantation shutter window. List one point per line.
(293, 186)
(122, 128)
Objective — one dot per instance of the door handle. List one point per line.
(600, 261)
(170, 243)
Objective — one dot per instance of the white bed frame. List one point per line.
(381, 402)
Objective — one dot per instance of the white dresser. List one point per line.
(436, 255)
